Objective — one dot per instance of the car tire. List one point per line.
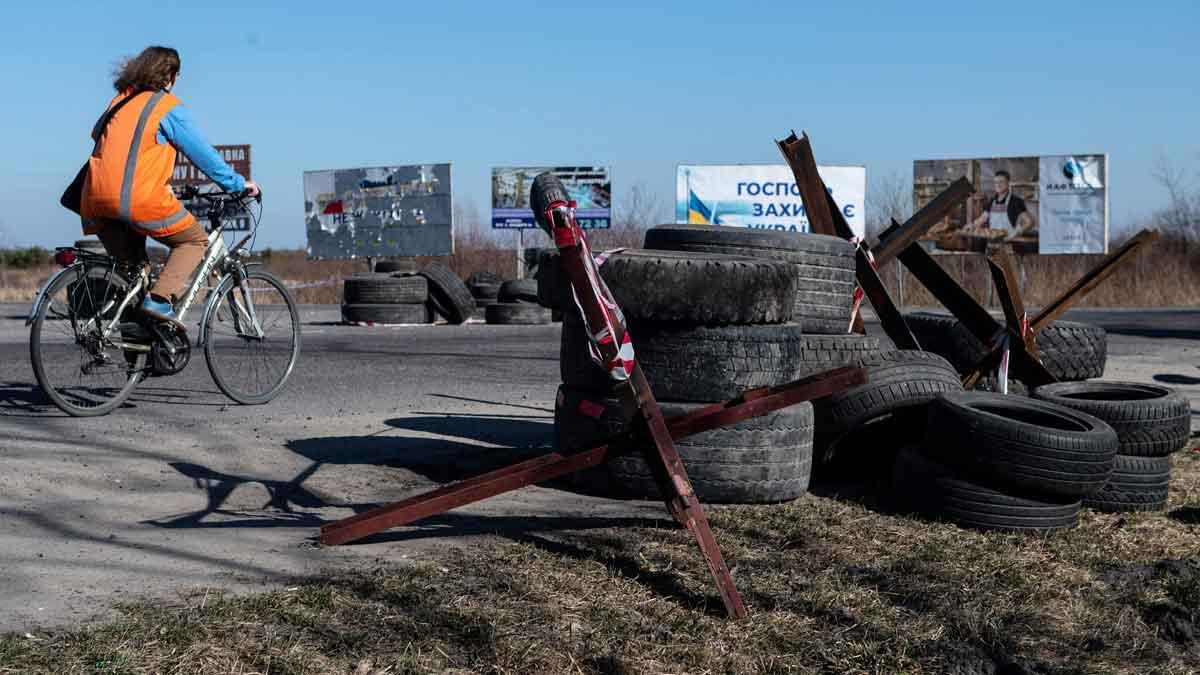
(1150, 420)
(391, 313)
(381, 289)
(1031, 445)
(760, 460)
(448, 295)
(1136, 484)
(516, 314)
(824, 266)
(669, 286)
(518, 290)
(897, 383)
(927, 486)
(1069, 350)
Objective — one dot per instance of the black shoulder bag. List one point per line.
(72, 197)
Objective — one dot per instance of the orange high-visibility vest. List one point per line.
(129, 169)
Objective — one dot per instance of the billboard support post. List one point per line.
(521, 253)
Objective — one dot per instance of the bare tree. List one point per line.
(637, 212)
(1181, 216)
(888, 197)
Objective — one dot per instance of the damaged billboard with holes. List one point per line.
(386, 211)
(763, 196)
(1047, 204)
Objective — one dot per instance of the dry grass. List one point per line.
(833, 586)
(1164, 274)
(22, 284)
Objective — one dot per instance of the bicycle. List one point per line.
(91, 346)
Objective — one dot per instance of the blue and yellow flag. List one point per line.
(698, 213)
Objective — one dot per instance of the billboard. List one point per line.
(589, 186)
(763, 196)
(379, 211)
(1040, 204)
(186, 173)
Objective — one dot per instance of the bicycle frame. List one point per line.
(216, 254)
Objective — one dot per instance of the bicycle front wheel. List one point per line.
(81, 372)
(252, 337)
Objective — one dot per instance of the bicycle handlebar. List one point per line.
(188, 192)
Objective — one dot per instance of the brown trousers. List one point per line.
(187, 250)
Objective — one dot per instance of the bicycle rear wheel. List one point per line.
(248, 367)
(83, 374)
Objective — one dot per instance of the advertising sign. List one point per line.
(186, 173)
(1048, 204)
(1074, 203)
(589, 186)
(387, 211)
(763, 196)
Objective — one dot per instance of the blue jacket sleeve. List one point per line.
(180, 130)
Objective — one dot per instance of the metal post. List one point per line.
(520, 253)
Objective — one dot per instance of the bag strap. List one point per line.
(102, 123)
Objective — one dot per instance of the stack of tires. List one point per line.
(823, 266)
(1005, 463)
(517, 304)
(485, 288)
(861, 424)
(383, 298)
(705, 327)
(1070, 350)
(1151, 423)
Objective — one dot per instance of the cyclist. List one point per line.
(126, 197)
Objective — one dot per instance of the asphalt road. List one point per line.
(181, 490)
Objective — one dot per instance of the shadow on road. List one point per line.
(1149, 332)
(1176, 379)
(23, 399)
(548, 411)
(517, 528)
(282, 497)
(441, 459)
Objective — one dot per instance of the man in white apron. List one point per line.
(1005, 211)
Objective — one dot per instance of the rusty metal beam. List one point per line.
(750, 404)
(1089, 281)
(890, 318)
(1009, 294)
(975, 318)
(899, 237)
(799, 155)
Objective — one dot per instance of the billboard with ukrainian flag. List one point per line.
(762, 196)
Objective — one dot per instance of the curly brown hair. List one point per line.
(152, 70)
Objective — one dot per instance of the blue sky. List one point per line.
(639, 86)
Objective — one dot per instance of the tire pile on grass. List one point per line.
(1029, 464)
(1151, 422)
(705, 329)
